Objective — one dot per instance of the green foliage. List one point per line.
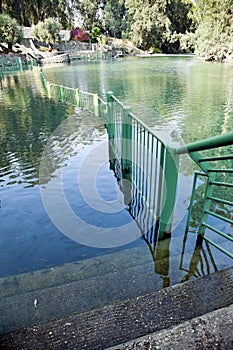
(95, 34)
(10, 33)
(155, 22)
(28, 12)
(114, 18)
(169, 26)
(47, 31)
(89, 12)
(215, 30)
(149, 24)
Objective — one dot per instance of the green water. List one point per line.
(180, 98)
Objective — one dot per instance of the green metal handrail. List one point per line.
(122, 125)
(209, 143)
(218, 170)
(153, 162)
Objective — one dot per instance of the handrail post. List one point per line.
(48, 88)
(109, 116)
(77, 97)
(62, 93)
(206, 205)
(126, 142)
(169, 191)
(96, 104)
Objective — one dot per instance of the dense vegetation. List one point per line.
(205, 26)
(47, 31)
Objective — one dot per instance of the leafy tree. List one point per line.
(148, 23)
(114, 18)
(29, 12)
(95, 34)
(90, 13)
(213, 38)
(154, 22)
(47, 31)
(177, 11)
(10, 33)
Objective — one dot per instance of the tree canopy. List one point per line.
(29, 12)
(169, 26)
(214, 34)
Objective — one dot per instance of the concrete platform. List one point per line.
(192, 315)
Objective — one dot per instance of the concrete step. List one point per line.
(123, 321)
(78, 287)
(211, 331)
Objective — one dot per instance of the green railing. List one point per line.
(135, 154)
(138, 155)
(214, 157)
(14, 63)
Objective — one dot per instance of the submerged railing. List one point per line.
(14, 63)
(139, 158)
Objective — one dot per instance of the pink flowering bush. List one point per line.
(78, 34)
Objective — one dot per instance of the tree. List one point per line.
(10, 33)
(47, 32)
(148, 23)
(177, 11)
(90, 13)
(29, 12)
(155, 21)
(114, 18)
(213, 38)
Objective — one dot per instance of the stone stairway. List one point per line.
(174, 309)
(102, 302)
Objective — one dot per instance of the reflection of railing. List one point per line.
(138, 155)
(201, 263)
(214, 157)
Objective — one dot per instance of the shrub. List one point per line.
(10, 33)
(47, 31)
(78, 34)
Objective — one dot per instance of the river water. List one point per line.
(180, 98)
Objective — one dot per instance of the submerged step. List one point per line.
(167, 259)
(71, 272)
(129, 319)
(94, 287)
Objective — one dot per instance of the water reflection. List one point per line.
(25, 127)
(201, 263)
